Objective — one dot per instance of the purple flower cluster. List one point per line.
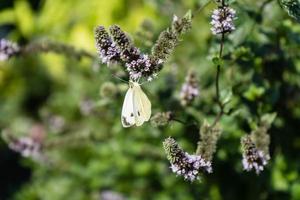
(111, 195)
(106, 48)
(7, 49)
(190, 166)
(140, 67)
(190, 89)
(253, 158)
(118, 47)
(222, 20)
(184, 164)
(87, 107)
(110, 54)
(189, 92)
(27, 147)
(256, 160)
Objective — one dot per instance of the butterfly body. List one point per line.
(136, 107)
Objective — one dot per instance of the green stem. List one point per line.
(219, 102)
(219, 69)
(185, 123)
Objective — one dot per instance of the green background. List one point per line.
(91, 152)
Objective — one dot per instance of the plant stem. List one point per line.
(56, 47)
(219, 102)
(178, 120)
(219, 69)
(185, 123)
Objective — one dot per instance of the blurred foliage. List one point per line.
(78, 102)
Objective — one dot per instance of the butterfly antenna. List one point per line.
(119, 78)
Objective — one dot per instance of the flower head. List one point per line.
(117, 46)
(26, 146)
(111, 195)
(190, 89)
(161, 118)
(30, 146)
(87, 107)
(184, 164)
(222, 20)
(137, 64)
(107, 49)
(209, 135)
(253, 158)
(8, 49)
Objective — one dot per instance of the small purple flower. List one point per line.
(184, 164)
(190, 89)
(27, 147)
(189, 92)
(106, 48)
(189, 166)
(8, 49)
(138, 67)
(253, 158)
(222, 20)
(108, 55)
(55, 123)
(111, 195)
(86, 107)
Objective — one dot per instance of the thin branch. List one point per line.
(185, 123)
(56, 47)
(219, 69)
(178, 120)
(219, 102)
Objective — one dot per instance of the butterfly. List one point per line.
(136, 107)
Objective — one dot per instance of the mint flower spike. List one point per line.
(169, 38)
(256, 145)
(117, 46)
(182, 25)
(190, 89)
(209, 136)
(128, 52)
(253, 158)
(183, 164)
(161, 118)
(222, 20)
(137, 63)
(106, 48)
(28, 146)
(8, 49)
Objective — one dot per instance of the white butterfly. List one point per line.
(136, 107)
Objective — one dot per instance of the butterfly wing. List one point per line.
(127, 116)
(141, 105)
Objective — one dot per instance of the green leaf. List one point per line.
(292, 7)
(279, 181)
(295, 191)
(24, 17)
(217, 61)
(268, 118)
(254, 92)
(7, 16)
(226, 96)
